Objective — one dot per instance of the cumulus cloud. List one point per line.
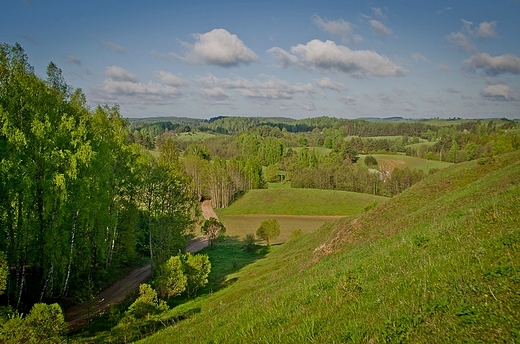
(487, 29)
(124, 87)
(327, 83)
(263, 87)
(113, 47)
(461, 41)
(493, 65)
(329, 57)
(219, 48)
(171, 79)
(380, 28)
(340, 28)
(498, 92)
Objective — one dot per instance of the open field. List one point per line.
(320, 150)
(237, 226)
(389, 162)
(310, 202)
(194, 136)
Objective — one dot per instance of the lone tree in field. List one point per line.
(213, 229)
(269, 229)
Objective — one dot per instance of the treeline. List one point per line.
(78, 201)
(468, 141)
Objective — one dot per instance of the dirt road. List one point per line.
(121, 289)
(207, 210)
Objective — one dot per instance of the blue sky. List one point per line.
(298, 59)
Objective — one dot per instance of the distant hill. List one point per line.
(438, 263)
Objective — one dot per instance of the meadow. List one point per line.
(389, 162)
(438, 263)
(303, 210)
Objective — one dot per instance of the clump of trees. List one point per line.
(268, 230)
(78, 200)
(213, 230)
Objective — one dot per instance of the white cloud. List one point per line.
(487, 29)
(346, 99)
(493, 65)
(461, 41)
(217, 47)
(263, 87)
(327, 83)
(443, 67)
(171, 79)
(380, 28)
(330, 57)
(418, 57)
(114, 47)
(124, 87)
(498, 92)
(116, 73)
(378, 12)
(309, 107)
(340, 28)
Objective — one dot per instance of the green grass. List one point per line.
(310, 202)
(194, 136)
(440, 263)
(411, 162)
(240, 225)
(322, 151)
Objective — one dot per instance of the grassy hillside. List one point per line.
(438, 263)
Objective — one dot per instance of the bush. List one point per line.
(269, 229)
(370, 161)
(249, 242)
(147, 303)
(171, 280)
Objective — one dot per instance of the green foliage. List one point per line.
(268, 230)
(196, 268)
(249, 242)
(370, 161)
(171, 280)
(147, 303)
(44, 324)
(4, 272)
(213, 229)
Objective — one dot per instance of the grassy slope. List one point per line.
(438, 263)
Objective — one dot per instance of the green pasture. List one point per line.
(413, 162)
(194, 136)
(322, 151)
(237, 226)
(418, 145)
(309, 202)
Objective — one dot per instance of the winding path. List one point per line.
(78, 315)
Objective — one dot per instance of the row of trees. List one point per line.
(77, 201)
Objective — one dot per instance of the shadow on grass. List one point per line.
(227, 257)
